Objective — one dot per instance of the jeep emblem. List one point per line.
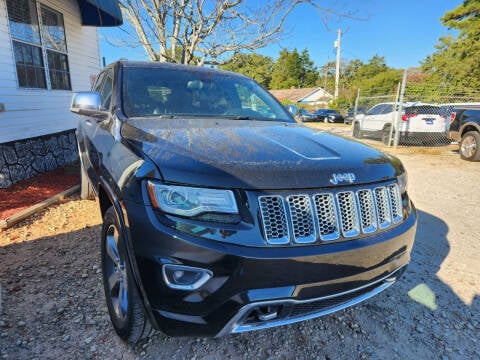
(342, 177)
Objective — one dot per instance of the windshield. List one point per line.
(163, 92)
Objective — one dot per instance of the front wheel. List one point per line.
(124, 304)
(386, 136)
(356, 131)
(470, 146)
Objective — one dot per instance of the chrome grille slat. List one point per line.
(274, 219)
(348, 214)
(368, 215)
(328, 216)
(383, 208)
(396, 202)
(302, 218)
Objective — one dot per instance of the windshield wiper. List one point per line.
(241, 117)
(163, 116)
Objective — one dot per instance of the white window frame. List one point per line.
(44, 48)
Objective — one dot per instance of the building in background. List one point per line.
(48, 50)
(311, 97)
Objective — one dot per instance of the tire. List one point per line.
(86, 188)
(386, 136)
(356, 131)
(470, 146)
(124, 304)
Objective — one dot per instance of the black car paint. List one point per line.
(240, 270)
(263, 155)
(466, 119)
(328, 115)
(119, 154)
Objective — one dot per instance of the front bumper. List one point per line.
(250, 284)
(267, 314)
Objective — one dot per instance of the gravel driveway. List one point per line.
(52, 303)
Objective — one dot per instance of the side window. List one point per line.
(374, 110)
(104, 86)
(251, 101)
(106, 93)
(97, 87)
(387, 108)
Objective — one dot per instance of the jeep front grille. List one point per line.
(274, 219)
(327, 216)
(302, 218)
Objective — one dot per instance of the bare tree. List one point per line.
(195, 31)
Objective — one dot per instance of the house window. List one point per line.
(39, 45)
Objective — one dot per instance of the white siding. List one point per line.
(318, 95)
(35, 112)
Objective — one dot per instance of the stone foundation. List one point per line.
(23, 159)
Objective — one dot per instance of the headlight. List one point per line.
(402, 181)
(190, 201)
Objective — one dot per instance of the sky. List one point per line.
(404, 32)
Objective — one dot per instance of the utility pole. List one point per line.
(337, 70)
(326, 73)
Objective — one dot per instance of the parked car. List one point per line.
(419, 122)
(350, 114)
(221, 219)
(465, 128)
(328, 116)
(304, 115)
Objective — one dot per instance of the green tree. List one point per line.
(294, 69)
(371, 77)
(375, 66)
(456, 62)
(255, 66)
(310, 75)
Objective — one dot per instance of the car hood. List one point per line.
(255, 154)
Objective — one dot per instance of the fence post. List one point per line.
(400, 109)
(395, 104)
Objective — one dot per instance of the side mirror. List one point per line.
(88, 103)
(292, 109)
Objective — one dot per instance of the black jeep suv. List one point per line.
(465, 128)
(221, 214)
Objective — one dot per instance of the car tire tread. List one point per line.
(357, 133)
(136, 325)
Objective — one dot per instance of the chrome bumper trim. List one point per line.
(235, 324)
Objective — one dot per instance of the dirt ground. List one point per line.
(52, 303)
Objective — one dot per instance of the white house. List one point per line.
(48, 50)
(307, 96)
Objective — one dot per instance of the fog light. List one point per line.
(182, 277)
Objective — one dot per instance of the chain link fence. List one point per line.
(413, 114)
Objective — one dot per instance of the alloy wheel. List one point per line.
(469, 146)
(116, 273)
